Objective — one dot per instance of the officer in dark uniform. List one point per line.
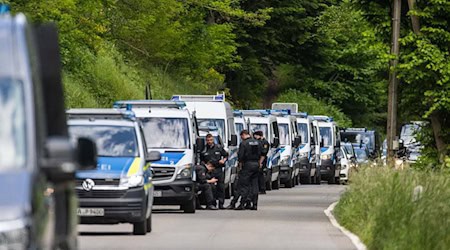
(216, 153)
(259, 135)
(205, 183)
(250, 157)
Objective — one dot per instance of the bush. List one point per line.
(382, 208)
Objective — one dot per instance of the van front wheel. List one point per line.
(189, 207)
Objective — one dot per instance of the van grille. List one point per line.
(100, 182)
(163, 173)
(100, 193)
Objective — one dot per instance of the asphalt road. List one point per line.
(286, 219)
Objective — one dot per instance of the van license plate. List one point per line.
(157, 193)
(90, 212)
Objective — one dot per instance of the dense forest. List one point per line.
(330, 56)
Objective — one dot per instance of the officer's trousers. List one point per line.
(249, 182)
(219, 193)
(206, 194)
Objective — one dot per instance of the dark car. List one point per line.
(37, 160)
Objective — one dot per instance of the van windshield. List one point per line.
(172, 133)
(111, 141)
(284, 133)
(260, 127)
(326, 134)
(303, 132)
(13, 136)
(218, 123)
(367, 138)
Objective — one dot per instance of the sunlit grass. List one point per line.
(387, 210)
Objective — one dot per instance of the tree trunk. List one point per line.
(437, 131)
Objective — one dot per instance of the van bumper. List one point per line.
(177, 192)
(285, 173)
(125, 206)
(305, 167)
(327, 169)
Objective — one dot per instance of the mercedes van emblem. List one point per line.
(88, 184)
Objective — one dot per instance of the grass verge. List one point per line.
(384, 208)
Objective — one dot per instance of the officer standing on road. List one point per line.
(250, 157)
(205, 183)
(216, 153)
(259, 135)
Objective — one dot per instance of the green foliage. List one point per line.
(307, 103)
(381, 208)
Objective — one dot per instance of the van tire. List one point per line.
(318, 177)
(268, 185)
(189, 206)
(290, 183)
(149, 223)
(140, 228)
(276, 184)
(228, 191)
(331, 180)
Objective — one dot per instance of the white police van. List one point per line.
(214, 111)
(330, 144)
(307, 161)
(120, 189)
(289, 141)
(261, 120)
(316, 131)
(170, 129)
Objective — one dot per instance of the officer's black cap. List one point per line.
(259, 133)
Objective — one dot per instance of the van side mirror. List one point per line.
(338, 144)
(59, 159)
(297, 141)
(322, 143)
(200, 144)
(86, 154)
(153, 156)
(276, 142)
(313, 142)
(233, 141)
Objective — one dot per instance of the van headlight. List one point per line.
(304, 155)
(185, 172)
(132, 181)
(14, 236)
(285, 160)
(326, 157)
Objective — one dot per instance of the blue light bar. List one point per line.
(238, 113)
(200, 98)
(129, 104)
(355, 129)
(102, 114)
(322, 118)
(4, 9)
(301, 114)
(256, 112)
(279, 111)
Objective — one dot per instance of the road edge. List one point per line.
(353, 238)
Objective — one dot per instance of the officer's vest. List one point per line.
(254, 151)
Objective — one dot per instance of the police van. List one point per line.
(289, 141)
(170, 129)
(213, 110)
(307, 162)
(364, 136)
(37, 159)
(262, 120)
(330, 144)
(316, 131)
(120, 189)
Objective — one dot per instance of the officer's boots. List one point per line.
(231, 206)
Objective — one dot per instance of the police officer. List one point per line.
(216, 153)
(250, 157)
(205, 183)
(259, 135)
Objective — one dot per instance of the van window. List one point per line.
(170, 133)
(260, 127)
(303, 132)
(111, 141)
(284, 134)
(13, 135)
(327, 136)
(239, 127)
(218, 123)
